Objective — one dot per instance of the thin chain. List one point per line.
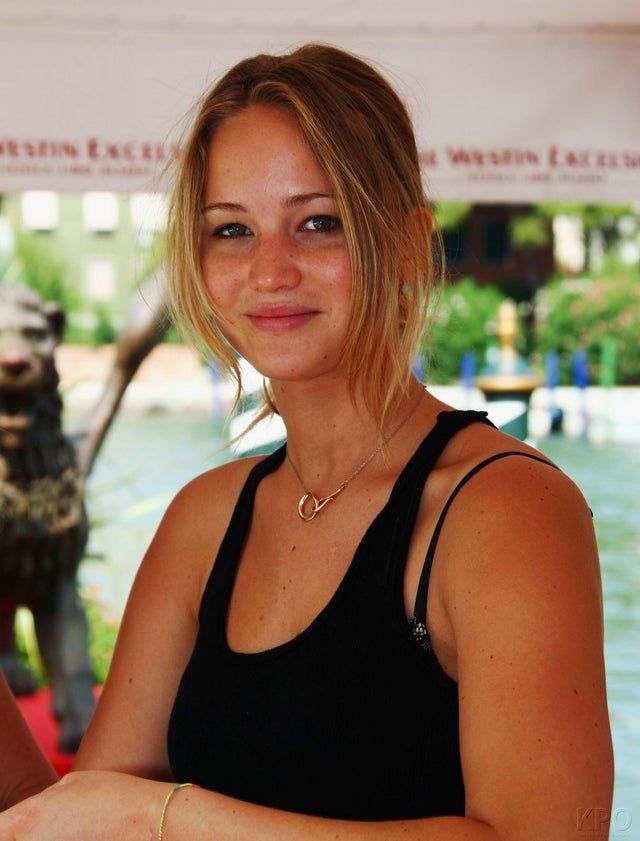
(318, 504)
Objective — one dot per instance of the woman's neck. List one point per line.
(329, 434)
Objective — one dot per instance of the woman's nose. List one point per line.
(273, 266)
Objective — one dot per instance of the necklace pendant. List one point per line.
(316, 505)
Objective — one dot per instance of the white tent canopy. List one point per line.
(512, 101)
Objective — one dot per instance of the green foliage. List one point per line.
(27, 645)
(592, 215)
(449, 215)
(459, 324)
(173, 336)
(104, 332)
(38, 265)
(588, 313)
(102, 640)
(529, 231)
(99, 332)
(151, 259)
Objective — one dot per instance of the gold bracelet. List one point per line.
(164, 807)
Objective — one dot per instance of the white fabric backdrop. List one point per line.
(508, 111)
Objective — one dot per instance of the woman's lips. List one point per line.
(280, 319)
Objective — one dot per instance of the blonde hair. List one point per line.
(361, 134)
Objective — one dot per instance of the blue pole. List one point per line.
(580, 369)
(581, 380)
(468, 374)
(418, 367)
(552, 381)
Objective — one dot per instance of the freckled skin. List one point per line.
(280, 258)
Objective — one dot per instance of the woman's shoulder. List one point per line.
(481, 463)
(199, 513)
(221, 484)
(509, 474)
(517, 509)
(503, 493)
(209, 498)
(188, 538)
(493, 455)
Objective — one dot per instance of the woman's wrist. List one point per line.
(174, 790)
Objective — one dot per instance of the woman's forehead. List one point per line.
(262, 146)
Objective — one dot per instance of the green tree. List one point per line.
(458, 323)
(450, 215)
(594, 217)
(592, 314)
(38, 265)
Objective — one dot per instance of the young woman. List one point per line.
(286, 647)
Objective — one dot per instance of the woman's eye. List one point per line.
(233, 230)
(321, 224)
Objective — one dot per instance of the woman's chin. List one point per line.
(295, 373)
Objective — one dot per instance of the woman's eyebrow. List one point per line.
(225, 205)
(303, 198)
(290, 201)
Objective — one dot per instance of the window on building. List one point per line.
(149, 211)
(101, 212)
(455, 242)
(100, 278)
(40, 210)
(7, 242)
(496, 241)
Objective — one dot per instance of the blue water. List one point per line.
(147, 459)
(608, 478)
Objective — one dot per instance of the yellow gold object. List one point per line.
(164, 807)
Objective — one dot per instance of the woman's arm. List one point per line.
(523, 595)
(103, 805)
(128, 732)
(23, 768)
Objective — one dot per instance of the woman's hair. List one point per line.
(361, 134)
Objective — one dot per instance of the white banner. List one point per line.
(505, 116)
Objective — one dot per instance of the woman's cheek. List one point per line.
(220, 282)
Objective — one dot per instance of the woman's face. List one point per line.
(273, 254)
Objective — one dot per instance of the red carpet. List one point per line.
(37, 711)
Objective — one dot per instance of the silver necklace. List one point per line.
(309, 504)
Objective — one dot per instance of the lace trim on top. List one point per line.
(420, 633)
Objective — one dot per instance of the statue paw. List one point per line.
(69, 736)
(74, 717)
(19, 678)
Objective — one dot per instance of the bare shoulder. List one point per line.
(479, 441)
(514, 512)
(212, 494)
(199, 514)
(532, 487)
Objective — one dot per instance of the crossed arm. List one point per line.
(524, 600)
(23, 768)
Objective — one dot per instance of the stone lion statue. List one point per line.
(43, 525)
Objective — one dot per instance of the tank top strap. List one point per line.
(220, 581)
(411, 481)
(420, 607)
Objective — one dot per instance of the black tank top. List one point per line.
(354, 718)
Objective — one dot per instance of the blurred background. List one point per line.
(528, 121)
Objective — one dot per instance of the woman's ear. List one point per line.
(418, 242)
